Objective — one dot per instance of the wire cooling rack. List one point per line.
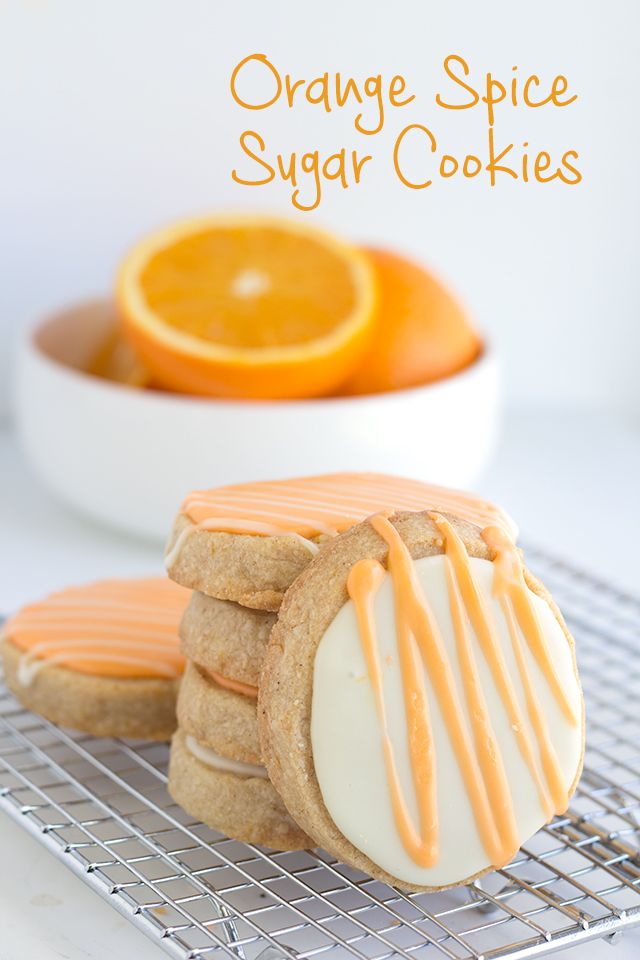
(102, 807)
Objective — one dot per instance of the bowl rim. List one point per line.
(28, 343)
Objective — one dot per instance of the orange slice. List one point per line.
(422, 333)
(249, 307)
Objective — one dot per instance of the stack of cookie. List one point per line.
(216, 773)
(240, 548)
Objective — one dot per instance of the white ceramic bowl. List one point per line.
(127, 457)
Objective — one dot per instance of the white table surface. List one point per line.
(572, 480)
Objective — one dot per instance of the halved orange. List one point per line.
(247, 306)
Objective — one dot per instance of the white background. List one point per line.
(117, 117)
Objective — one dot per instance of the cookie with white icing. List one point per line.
(234, 798)
(420, 710)
(103, 658)
(249, 542)
(215, 770)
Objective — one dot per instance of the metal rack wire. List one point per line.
(101, 806)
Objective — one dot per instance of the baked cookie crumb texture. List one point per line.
(216, 772)
(225, 638)
(234, 798)
(416, 661)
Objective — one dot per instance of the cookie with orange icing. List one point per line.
(216, 772)
(103, 658)
(217, 715)
(227, 640)
(235, 798)
(420, 710)
(249, 542)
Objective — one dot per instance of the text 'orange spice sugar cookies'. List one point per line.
(249, 542)
(420, 711)
(103, 658)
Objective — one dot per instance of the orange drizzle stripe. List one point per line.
(484, 629)
(117, 665)
(413, 614)
(509, 581)
(237, 686)
(120, 628)
(343, 508)
(46, 648)
(548, 755)
(99, 610)
(303, 527)
(362, 584)
(30, 633)
(487, 747)
(311, 506)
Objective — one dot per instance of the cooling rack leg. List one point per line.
(614, 938)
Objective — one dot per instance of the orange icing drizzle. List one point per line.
(459, 570)
(363, 581)
(327, 505)
(237, 686)
(478, 753)
(116, 628)
(510, 583)
(509, 579)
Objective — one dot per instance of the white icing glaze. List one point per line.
(212, 759)
(346, 736)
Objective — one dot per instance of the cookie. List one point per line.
(102, 658)
(236, 799)
(226, 638)
(420, 710)
(222, 719)
(216, 771)
(249, 542)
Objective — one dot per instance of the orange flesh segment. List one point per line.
(249, 288)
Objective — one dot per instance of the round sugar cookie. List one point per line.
(225, 637)
(420, 711)
(222, 719)
(250, 570)
(103, 658)
(249, 542)
(244, 806)
(143, 708)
